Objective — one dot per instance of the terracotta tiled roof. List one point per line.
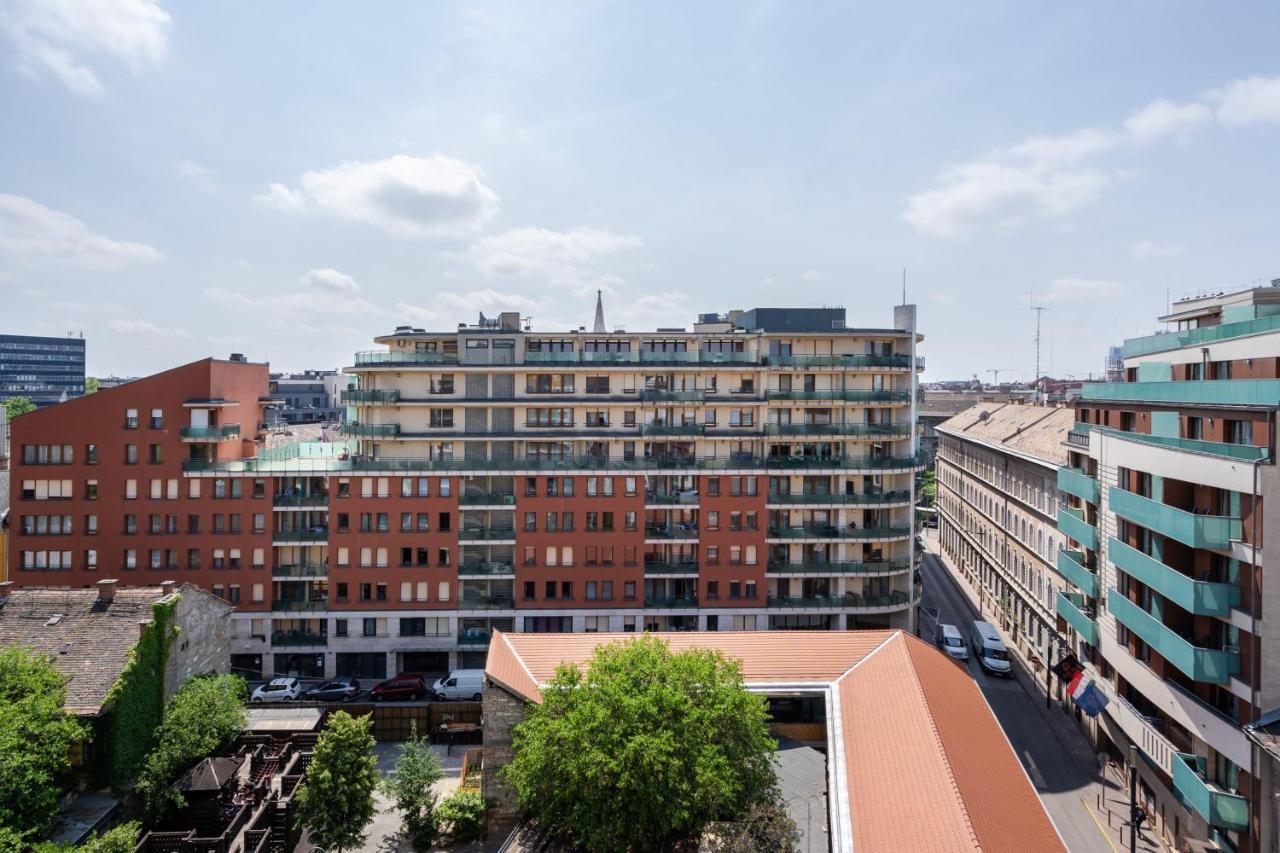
(922, 763)
(89, 643)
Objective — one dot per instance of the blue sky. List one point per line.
(288, 180)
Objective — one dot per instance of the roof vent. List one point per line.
(106, 590)
(983, 415)
(53, 620)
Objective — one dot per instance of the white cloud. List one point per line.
(812, 275)
(55, 38)
(1162, 118)
(142, 327)
(31, 233)
(407, 197)
(487, 300)
(1070, 289)
(942, 298)
(1149, 249)
(1252, 100)
(553, 256)
(329, 279)
(289, 306)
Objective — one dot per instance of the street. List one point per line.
(1056, 755)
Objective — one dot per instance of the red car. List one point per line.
(400, 687)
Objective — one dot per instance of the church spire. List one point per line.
(599, 326)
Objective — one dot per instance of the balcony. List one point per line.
(1215, 666)
(209, 433)
(1071, 566)
(486, 534)
(370, 430)
(882, 431)
(1073, 481)
(371, 395)
(485, 569)
(488, 602)
(849, 599)
(892, 361)
(837, 499)
(318, 534)
(486, 499)
(1218, 807)
(286, 501)
(298, 638)
(1227, 450)
(299, 605)
(1198, 531)
(375, 358)
(1070, 606)
(474, 638)
(1217, 392)
(856, 396)
(671, 531)
(1071, 522)
(827, 531)
(683, 567)
(671, 602)
(661, 395)
(673, 429)
(1165, 341)
(300, 571)
(689, 498)
(1203, 598)
(824, 567)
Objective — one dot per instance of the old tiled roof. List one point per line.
(922, 762)
(1035, 431)
(89, 642)
(211, 774)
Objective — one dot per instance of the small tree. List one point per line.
(463, 813)
(36, 740)
(18, 406)
(336, 801)
(201, 718)
(91, 385)
(410, 788)
(644, 748)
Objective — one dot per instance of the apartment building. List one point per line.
(45, 370)
(755, 473)
(1171, 488)
(312, 396)
(998, 500)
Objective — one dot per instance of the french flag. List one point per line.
(1087, 696)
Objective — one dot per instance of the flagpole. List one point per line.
(1048, 676)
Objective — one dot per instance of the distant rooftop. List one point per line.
(1035, 431)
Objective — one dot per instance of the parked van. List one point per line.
(949, 639)
(460, 684)
(989, 648)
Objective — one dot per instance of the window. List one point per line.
(155, 455)
(369, 627)
(629, 593)
(131, 419)
(713, 589)
(530, 522)
(442, 418)
(530, 589)
(713, 486)
(131, 454)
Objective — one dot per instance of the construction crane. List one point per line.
(995, 374)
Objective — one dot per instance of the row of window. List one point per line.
(156, 558)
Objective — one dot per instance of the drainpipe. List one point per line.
(1254, 604)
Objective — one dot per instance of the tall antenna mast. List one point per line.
(904, 285)
(1039, 309)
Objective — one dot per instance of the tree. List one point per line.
(410, 788)
(335, 802)
(928, 486)
(36, 741)
(463, 812)
(91, 385)
(18, 406)
(643, 748)
(201, 718)
(765, 828)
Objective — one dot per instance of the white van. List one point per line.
(948, 638)
(989, 649)
(460, 684)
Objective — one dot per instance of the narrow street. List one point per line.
(1056, 755)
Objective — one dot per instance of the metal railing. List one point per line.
(377, 357)
(213, 433)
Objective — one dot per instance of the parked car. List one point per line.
(340, 689)
(460, 684)
(948, 639)
(400, 687)
(277, 690)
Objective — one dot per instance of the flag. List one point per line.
(1092, 700)
(1077, 681)
(1067, 668)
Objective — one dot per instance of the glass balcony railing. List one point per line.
(662, 395)
(857, 430)
(370, 430)
(901, 360)
(315, 534)
(1165, 341)
(486, 499)
(210, 433)
(300, 500)
(1071, 566)
(1076, 482)
(671, 531)
(371, 395)
(1220, 392)
(1071, 522)
(1071, 607)
(849, 599)
(488, 602)
(1203, 598)
(476, 637)
(679, 567)
(673, 429)
(674, 602)
(851, 396)
(292, 605)
(839, 499)
(824, 567)
(378, 357)
(828, 531)
(300, 571)
(1215, 666)
(298, 638)
(485, 569)
(1248, 452)
(1220, 808)
(484, 534)
(1198, 531)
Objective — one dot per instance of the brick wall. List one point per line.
(501, 713)
(203, 644)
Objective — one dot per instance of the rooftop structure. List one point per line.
(934, 773)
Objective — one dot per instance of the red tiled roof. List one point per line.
(922, 763)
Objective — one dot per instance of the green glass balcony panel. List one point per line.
(486, 499)
(1071, 607)
(1200, 597)
(1198, 531)
(673, 429)
(212, 433)
(901, 360)
(824, 567)
(1073, 481)
(657, 395)
(300, 500)
(840, 499)
(1071, 566)
(1247, 452)
(855, 396)
(300, 571)
(370, 395)
(299, 604)
(1166, 341)
(1071, 522)
(1215, 666)
(1227, 392)
(682, 567)
(474, 637)
(319, 535)
(370, 430)
(489, 602)
(850, 599)
(486, 569)
(1218, 807)
(377, 357)
(670, 601)
(856, 430)
(298, 638)
(481, 534)
(827, 531)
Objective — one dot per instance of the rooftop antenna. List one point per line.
(904, 285)
(1039, 309)
(995, 374)
(600, 327)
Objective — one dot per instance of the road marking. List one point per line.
(1036, 776)
(1098, 824)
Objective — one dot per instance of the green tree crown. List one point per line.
(336, 801)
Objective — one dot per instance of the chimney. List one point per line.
(168, 587)
(107, 590)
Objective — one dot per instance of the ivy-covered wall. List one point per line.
(136, 702)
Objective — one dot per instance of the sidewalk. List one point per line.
(1106, 800)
